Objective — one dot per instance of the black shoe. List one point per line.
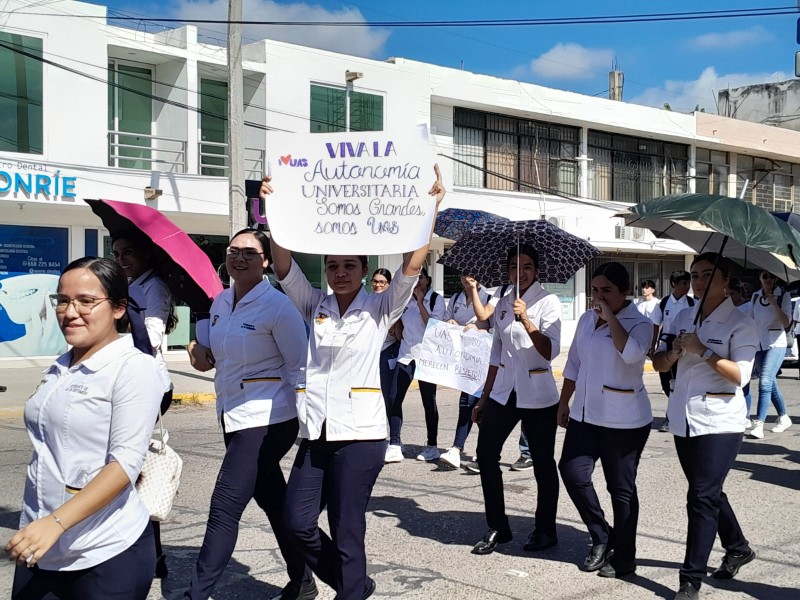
(472, 466)
(540, 541)
(161, 567)
(687, 591)
(524, 463)
(298, 591)
(616, 571)
(370, 589)
(598, 556)
(731, 563)
(664, 426)
(490, 541)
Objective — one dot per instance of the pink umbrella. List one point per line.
(181, 263)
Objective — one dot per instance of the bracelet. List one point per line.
(60, 524)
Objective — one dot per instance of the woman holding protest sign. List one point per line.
(520, 387)
(342, 414)
(257, 345)
(461, 311)
(610, 418)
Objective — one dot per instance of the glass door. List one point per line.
(130, 111)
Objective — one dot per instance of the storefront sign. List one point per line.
(452, 357)
(31, 259)
(349, 193)
(33, 181)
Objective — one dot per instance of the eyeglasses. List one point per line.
(379, 282)
(83, 305)
(246, 253)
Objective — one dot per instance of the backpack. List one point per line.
(432, 300)
(663, 304)
(790, 335)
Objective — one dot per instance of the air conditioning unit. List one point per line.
(634, 234)
(559, 222)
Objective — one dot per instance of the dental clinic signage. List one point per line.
(24, 180)
(349, 193)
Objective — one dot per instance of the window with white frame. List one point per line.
(335, 109)
(20, 94)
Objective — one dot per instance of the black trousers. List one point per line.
(339, 475)
(126, 576)
(251, 469)
(618, 451)
(497, 423)
(405, 374)
(706, 460)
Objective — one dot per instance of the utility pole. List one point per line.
(237, 211)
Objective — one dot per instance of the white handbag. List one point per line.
(161, 475)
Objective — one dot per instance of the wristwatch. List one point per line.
(707, 354)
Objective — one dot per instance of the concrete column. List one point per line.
(733, 178)
(692, 187)
(583, 189)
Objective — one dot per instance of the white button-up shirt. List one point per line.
(609, 390)
(671, 310)
(646, 307)
(462, 312)
(771, 333)
(520, 366)
(154, 297)
(703, 401)
(259, 348)
(80, 419)
(343, 389)
(414, 326)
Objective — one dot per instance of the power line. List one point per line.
(595, 20)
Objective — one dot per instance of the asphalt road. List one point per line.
(423, 521)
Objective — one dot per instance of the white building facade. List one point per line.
(90, 110)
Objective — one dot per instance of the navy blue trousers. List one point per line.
(250, 470)
(404, 377)
(339, 476)
(497, 423)
(126, 576)
(618, 451)
(706, 460)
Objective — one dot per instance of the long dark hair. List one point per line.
(385, 272)
(112, 278)
(616, 273)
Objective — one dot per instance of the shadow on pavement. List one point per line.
(752, 589)
(9, 518)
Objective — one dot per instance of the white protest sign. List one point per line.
(350, 193)
(452, 357)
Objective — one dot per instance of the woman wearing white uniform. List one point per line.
(133, 251)
(258, 346)
(84, 532)
(342, 414)
(520, 388)
(609, 420)
(707, 416)
(461, 311)
(771, 309)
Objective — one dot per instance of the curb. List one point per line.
(189, 398)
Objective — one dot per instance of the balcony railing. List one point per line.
(215, 161)
(150, 152)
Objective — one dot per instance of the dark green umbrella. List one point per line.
(708, 223)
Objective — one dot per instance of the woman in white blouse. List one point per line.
(609, 419)
(714, 351)
(341, 409)
(258, 344)
(84, 532)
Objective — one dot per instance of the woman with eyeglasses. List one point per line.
(258, 344)
(341, 410)
(84, 531)
(381, 279)
(771, 308)
(133, 251)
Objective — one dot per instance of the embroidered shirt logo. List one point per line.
(214, 322)
(714, 341)
(248, 326)
(503, 314)
(77, 388)
(320, 318)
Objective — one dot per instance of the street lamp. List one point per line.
(349, 78)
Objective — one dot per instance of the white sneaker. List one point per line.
(394, 454)
(758, 430)
(428, 454)
(749, 424)
(782, 424)
(452, 458)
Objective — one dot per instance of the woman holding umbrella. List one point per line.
(610, 418)
(342, 413)
(714, 352)
(520, 387)
(258, 348)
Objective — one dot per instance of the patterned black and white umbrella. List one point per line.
(482, 252)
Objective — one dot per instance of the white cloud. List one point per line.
(358, 41)
(685, 95)
(572, 61)
(732, 40)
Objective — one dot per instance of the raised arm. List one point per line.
(413, 261)
(281, 257)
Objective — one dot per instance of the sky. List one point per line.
(682, 63)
